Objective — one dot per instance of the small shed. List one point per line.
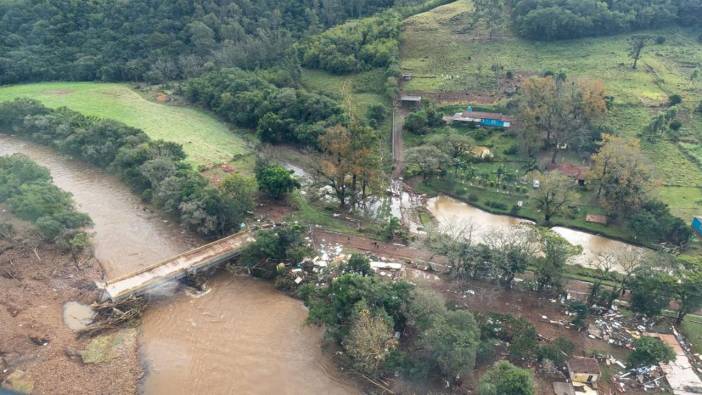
(596, 219)
(410, 100)
(697, 225)
(584, 370)
(573, 171)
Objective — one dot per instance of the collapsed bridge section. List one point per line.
(178, 266)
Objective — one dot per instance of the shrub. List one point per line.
(674, 100)
(486, 352)
(473, 198)
(360, 264)
(376, 114)
(512, 150)
(481, 134)
(496, 205)
(275, 180)
(7, 231)
(675, 125)
(660, 40)
(505, 378)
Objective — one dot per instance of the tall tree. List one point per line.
(623, 174)
(554, 195)
(549, 267)
(426, 160)
(559, 113)
(456, 146)
(636, 45)
(651, 291)
(492, 13)
(688, 290)
(349, 162)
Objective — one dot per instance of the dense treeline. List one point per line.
(278, 114)
(29, 192)
(565, 19)
(158, 40)
(354, 46)
(155, 169)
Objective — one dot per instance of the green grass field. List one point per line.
(446, 53)
(205, 139)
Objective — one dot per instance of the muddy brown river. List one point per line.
(454, 216)
(241, 337)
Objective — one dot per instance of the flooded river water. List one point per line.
(242, 337)
(454, 215)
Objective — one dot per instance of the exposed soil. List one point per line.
(35, 282)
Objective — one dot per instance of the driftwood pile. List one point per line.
(111, 315)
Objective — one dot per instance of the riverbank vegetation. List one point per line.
(28, 191)
(153, 168)
(206, 140)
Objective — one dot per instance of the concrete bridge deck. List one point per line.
(178, 266)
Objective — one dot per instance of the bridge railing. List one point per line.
(179, 256)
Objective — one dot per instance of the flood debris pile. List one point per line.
(111, 315)
(615, 329)
(648, 378)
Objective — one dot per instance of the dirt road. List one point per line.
(398, 154)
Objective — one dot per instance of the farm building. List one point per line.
(697, 225)
(410, 100)
(488, 119)
(584, 370)
(573, 171)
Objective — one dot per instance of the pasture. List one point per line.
(446, 50)
(206, 140)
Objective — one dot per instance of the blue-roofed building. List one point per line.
(697, 225)
(487, 119)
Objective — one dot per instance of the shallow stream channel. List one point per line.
(240, 337)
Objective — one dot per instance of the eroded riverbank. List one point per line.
(241, 337)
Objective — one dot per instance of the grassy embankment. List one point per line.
(206, 140)
(447, 53)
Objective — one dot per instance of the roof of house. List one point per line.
(571, 170)
(485, 115)
(583, 365)
(410, 98)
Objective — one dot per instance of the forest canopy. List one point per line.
(158, 40)
(566, 19)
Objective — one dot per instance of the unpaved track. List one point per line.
(398, 154)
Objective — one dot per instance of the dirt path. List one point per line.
(398, 153)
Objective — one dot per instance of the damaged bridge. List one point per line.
(178, 266)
